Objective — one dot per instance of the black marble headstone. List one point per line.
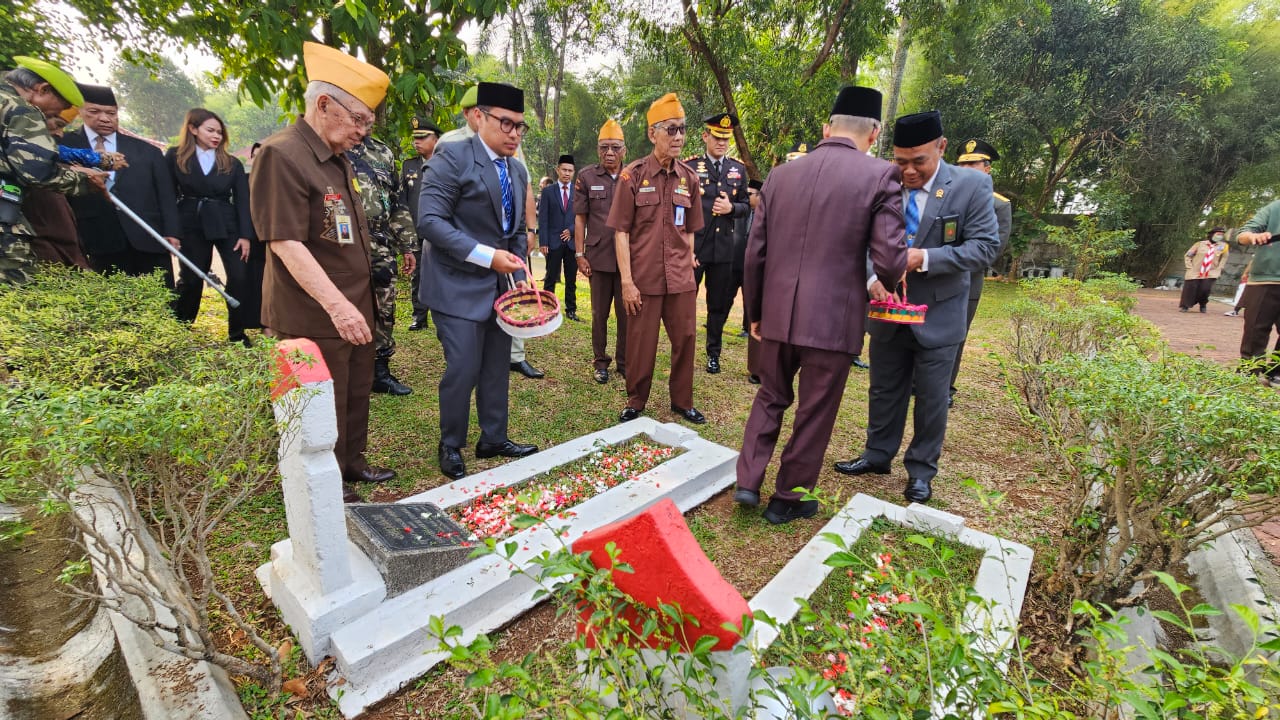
(410, 543)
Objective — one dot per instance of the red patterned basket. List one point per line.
(897, 310)
(527, 312)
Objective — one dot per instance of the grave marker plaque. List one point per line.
(410, 543)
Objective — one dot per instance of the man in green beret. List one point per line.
(32, 92)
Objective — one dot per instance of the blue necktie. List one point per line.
(508, 208)
(912, 217)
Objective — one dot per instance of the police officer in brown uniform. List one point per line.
(724, 200)
(597, 261)
(654, 216)
(318, 282)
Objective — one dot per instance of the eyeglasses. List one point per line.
(507, 124)
(609, 148)
(673, 130)
(360, 121)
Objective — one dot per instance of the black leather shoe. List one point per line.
(371, 474)
(951, 400)
(349, 494)
(419, 324)
(858, 363)
(451, 462)
(506, 448)
(572, 315)
(743, 496)
(713, 365)
(690, 414)
(859, 466)
(918, 490)
(601, 376)
(628, 414)
(524, 368)
(753, 379)
(781, 512)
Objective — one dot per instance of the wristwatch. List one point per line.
(577, 255)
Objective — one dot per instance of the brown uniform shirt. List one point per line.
(646, 203)
(298, 190)
(593, 197)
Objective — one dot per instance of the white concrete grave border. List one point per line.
(333, 597)
(1001, 579)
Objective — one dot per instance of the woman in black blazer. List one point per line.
(213, 206)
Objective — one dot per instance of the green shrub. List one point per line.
(1162, 455)
(1058, 317)
(73, 328)
(1115, 288)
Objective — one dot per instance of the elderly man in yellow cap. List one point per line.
(32, 92)
(318, 281)
(656, 211)
(597, 261)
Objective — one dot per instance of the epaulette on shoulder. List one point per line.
(998, 196)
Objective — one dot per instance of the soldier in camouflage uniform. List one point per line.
(31, 93)
(392, 232)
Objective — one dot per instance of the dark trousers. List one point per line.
(1195, 291)
(351, 367)
(191, 288)
(419, 307)
(822, 378)
(898, 364)
(606, 291)
(134, 263)
(968, 323)
(562, 257)
(1261, 316)
(678, 314)
(719, 278)
(477, 359)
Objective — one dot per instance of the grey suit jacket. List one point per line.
(960, 199)
(1004, 220)
(461, 207)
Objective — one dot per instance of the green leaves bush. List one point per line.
(1161, 455)
(74, 329)
(1058, 317)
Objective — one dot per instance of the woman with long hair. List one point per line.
(213, 205)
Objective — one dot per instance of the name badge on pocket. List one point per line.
(648, 189)
(679, 215)
(950, 225)
(342, 224)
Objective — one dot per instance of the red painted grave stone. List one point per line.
(298, 362)
(671, 568)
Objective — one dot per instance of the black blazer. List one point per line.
(213, 206)
(146, 187)
(552, 219)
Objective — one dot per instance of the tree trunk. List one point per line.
(895, 87)
(555, 104)
(58, 653)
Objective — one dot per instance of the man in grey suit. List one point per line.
(978, 154)
(471, 212)
(951, 232)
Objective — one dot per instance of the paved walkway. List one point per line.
(1212, 336)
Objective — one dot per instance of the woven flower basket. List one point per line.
(897, 310)
(528, 312)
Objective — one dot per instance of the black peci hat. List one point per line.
(915, 130)
(566, 159)
(98, 95)
(858, 102)
(507, 97)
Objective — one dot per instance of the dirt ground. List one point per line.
(1210, 335)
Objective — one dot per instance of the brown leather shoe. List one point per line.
(371, 474)
(349, 494)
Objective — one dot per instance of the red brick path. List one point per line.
(1211, 336)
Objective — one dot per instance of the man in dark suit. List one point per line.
(472, 217)
(724, 199)
(819, 222)
(977, 155)
(114, 242)
(951, 232)
(425, 136)
(555, 234)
